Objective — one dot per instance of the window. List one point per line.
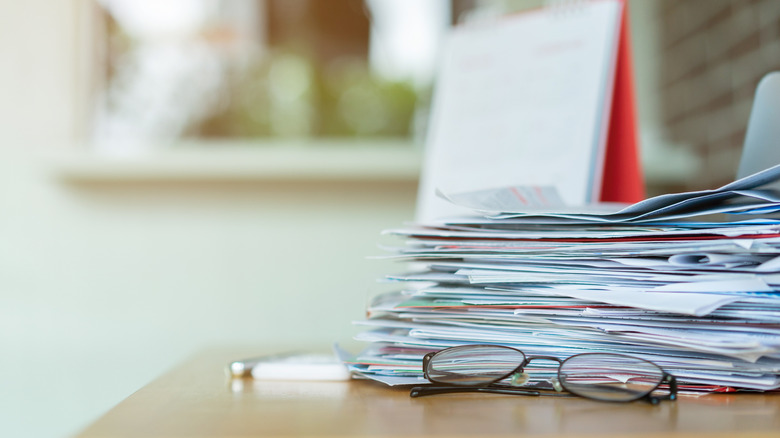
(203, 69)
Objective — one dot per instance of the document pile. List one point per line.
(699, 298)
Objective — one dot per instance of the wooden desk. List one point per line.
(198, 400)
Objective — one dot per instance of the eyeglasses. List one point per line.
(597, 376)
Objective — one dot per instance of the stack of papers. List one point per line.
(699, 298)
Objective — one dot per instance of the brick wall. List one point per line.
(713, 53)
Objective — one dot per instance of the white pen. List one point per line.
(291, 366)
(243, 368)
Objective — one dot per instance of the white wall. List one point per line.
(105, 286)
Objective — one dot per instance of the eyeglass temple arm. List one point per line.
(420, 391)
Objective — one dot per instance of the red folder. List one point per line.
(622, 177)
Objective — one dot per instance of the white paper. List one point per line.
(522, 101)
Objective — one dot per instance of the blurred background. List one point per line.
(183, 174)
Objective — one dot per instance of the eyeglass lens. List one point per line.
(473, 365)
(610, 377)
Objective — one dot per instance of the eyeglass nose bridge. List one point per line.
(528, 359)
(520, 370)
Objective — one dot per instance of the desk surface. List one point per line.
(198, 400)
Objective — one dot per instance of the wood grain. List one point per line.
(199, 400)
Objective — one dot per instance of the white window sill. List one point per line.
(273, 160)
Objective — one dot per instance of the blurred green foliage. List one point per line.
(285, 94)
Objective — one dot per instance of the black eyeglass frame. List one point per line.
(419, 391)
